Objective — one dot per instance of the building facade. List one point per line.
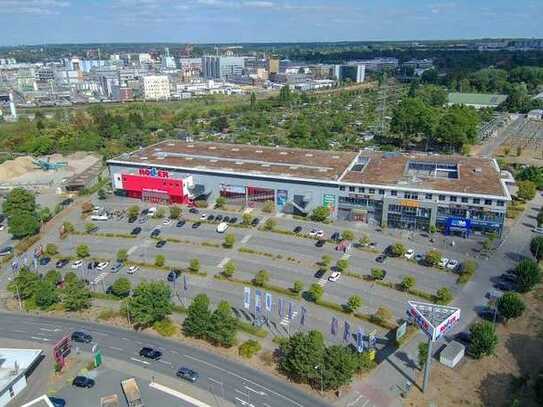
(219, 67)
(156, 87)
(409, 191)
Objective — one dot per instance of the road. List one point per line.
(227, 379)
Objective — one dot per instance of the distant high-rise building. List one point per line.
(273, 65)
(219, 67)
(168, 62)
(156, 87)
(355, 73)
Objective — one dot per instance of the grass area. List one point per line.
(269, 287)
(252, 330)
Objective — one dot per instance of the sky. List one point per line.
(210, 21)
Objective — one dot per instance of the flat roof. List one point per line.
(404, 171)
(476, 99)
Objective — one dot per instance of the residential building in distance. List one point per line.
(156, 87)
(409, 191)
(273, 65)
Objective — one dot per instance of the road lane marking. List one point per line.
(141, 361)
(243, 378)
(260, 393)
(124, 339)
(132, 249)
(49, 330)
(165, 362)
(246, 238)
(39, 338)
(115, 348)
(244, 403)
(178, 394)
(223, 262)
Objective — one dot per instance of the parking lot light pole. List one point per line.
(319, 367)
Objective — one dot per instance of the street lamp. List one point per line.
(18, 294)
(319, 367)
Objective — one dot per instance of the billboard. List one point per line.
(281, 198)
(434, 320)
(329, 201)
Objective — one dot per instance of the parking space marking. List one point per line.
(223, 262)
(178, 394)
(100, 277)
(132, 249)
(165, 362)
(246, 238)
(39, 338)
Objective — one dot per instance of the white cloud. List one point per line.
(42, 7)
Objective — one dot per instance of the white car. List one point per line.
(2, 227)
(103, 217)
(312, 233)
(409, 254)
(538, 230)
(76, 264)
(151, 211)
(102, 266)
(203, 217)
(452, 264)
(132, 269)
(319, 234)
(443, 263)
(167, 222)
(334, 276)
(221, 227)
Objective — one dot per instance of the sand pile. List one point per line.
(15, 168)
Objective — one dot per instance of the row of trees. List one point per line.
(23, 214)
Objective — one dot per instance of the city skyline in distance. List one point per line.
(266, 21)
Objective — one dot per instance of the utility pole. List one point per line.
(427, 366)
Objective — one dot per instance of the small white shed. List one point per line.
(452, 354)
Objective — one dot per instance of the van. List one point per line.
(99, 217)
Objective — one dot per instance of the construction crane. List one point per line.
(46, 165)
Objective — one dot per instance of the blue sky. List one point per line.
(77, 21)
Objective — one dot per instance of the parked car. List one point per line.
(143, 220)
(381, 258)
(102, 266)
(155, 233)
(116, 267)
(196, 225)
(174, 275)
(81, 337)
(320, 243)
(57, 402)
(61, 263)
(203, 216)
(336, 236)
(335, 276)
(222, 227)
(226, 219)
(452, 264)
(180, 223)
(2, 227)
(297, 229)
(150, 353)
(489, 314)
(443, 263)
(511, 278)
(6, 251)
(504, 286)
(102, 217)
(132, 269)
(160, 243)
(136, 231)
(167, 222)
(83, 381)
(233, 220)
(210, 218)
(538, 230)
(44, 260)
(218, 218)
(320, 273)
(409, 254)
(419, 257)
(152, 211)
(463, 337)
(313, 233)
(187, 374)
(193, 210)
(255, 222)
(76, 264)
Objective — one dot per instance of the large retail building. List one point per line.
(399, 190)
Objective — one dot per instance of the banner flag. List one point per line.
(247, 297)
(360, 340)
(268, 299)
(302, 316)
(258, 301)
(347, 332)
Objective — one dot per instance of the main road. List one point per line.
(226, 378)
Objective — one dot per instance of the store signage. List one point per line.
(459, 223)
(410, 203)
(282, 198)
(329, 201)
(153, 172)
(359, 196)
(233, 189)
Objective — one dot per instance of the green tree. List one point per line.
(194, 265)
(19, 200)
(44, 215)
(268, 207)
(326, 261)
(198, 320)
(22, 224)
(150, 303)
(443, 296)
(408, 282)
(46, 294)
(510, 306)
(160, 212)
(102, 194)
(223, 326)
(229, 269)
(347, 235)
(220, 202)
(121, 287)
(269, 224)
(247, 218)
(229, 240)
(378, 274)
(353, 303)
(76, 296)
(68, 227)
(411, 118)
(160, 260)
(433, 257)
(320, 214)
(340, 364)
(133, 212)
(70, 277)
(539, 219)
(82, 251)
(397, 249)
(53, 276)
(423, 354)
(483, 339)
(301, 354)
(364, 240)
(122, 255)
(528, 275)
(51, 249)
(261, 278)
(342, 265)
(315, 292)
(90, 227)
(526, 190)
(175, 212)
(24, 283)
(536, 247)
(298, 287)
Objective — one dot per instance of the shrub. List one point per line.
(353, 303)
(229, 269)
(443, 296)
(261, 278)
(247, 218)
(121, 287)
(408, 283)
(397, 249)
(528, 275)
(315, 292)
(342, 265)
(133, 212)
(423, 354)
(433, 257)
(268, 207)
(526, 190)
(536, 247)
(347, 235)
(68, 227)
(298, 287)
(220, 202)
(320, 214)
(383, 314)
(229, 240)
(90, 227)
(378, 274)
(194, 265)
(201, 203)
(249, 348)
(107, 314)
(467, 271)
(175, 212)
(165, 327)
(326, 260)
(160, 212)
(51, 249)
(122, 255)
(510, 306)
(269, 224)
(483, 339)
(82, 251)
(160, 260)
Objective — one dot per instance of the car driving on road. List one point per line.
(81, 337)
(150, 353)
(187, 374)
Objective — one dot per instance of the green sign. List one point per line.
(328, 200)
(97, 359)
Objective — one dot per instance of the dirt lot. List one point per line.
(493, 381)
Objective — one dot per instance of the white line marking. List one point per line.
(165, 362)
(115, 348)
(49, 330)
(39, 339)
(246, 238)
(244, 403)
(124, 339)
(132, 250)
(178, 394)
(260, 393)
(243, 378)
(223, 262)
(141, 361)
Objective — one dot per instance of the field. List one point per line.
(523, 142)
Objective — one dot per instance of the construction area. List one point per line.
(523, 141)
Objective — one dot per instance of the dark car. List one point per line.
(67, 202)
(381, 258)
(193, 210)
(2, 218)
(511, 278)
(136, 231)
(226, 219)
(255, 222)
(320, 243)
(463, 337)
(320, 273)
(180, 223)
(173, 275)
(117, 267)
(56, 402)
(155, 233)
(160, 243)
(210, 218)
(218, 218)
(489, 314)
(297, 229)
(82, 381)
(233, 219)
(82, 337)
(44, 260)
(504, 286)
(336, 236)
(150, 353)
(187, 374)
(61, 263)
(196, 225)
